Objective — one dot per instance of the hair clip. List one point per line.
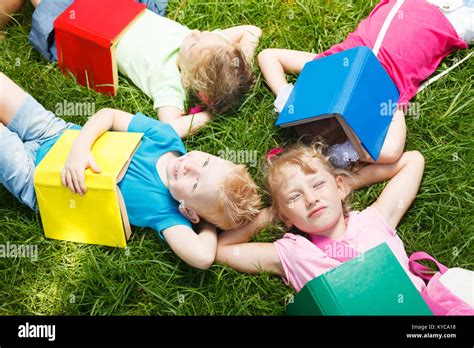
(274, 152)
(195, 110)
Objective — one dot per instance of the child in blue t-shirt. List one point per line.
(210, 190)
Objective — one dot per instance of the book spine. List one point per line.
(350, 81)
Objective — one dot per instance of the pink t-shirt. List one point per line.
(303, 261)
(418, 38)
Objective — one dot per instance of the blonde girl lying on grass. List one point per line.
(309, 194)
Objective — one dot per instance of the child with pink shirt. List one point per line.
(420, 35)
(310, 194)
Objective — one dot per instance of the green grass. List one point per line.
(148, 279)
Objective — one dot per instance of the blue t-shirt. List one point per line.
(149, 203)
(48, 144)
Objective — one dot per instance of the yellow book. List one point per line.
(99, 216)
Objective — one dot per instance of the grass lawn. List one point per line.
(147, 278)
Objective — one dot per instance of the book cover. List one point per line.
(373, 283)
(353, 87)
(99, 216)
(86, 35)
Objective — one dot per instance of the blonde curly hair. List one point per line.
(220, 76)
(238, 203)
(299, 155)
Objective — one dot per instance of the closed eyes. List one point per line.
(317, 184)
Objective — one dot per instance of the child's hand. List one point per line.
(264, 218)
(246, 37)
(245, 233)
(73, 173)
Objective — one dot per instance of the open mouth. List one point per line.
(176, 168)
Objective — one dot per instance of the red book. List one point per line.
(86, 35)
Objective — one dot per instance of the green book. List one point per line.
(374, 283)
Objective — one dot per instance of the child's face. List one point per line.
(195, 178)
(311, 202)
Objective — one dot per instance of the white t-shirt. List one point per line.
(147, 55)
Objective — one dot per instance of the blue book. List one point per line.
(351, 86)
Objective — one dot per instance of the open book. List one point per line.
(86, 35)
(373, 283)
(99, 216)
(351, 86)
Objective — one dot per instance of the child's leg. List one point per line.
(42, 36)
(11, 98)
(7, 8)
(17, 167)
(23, 115)
(461, 18)
(24, 126)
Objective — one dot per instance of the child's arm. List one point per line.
(275, 63)
(394, 142)
(246, 36)
(189, 124)
(253, 258)
(80, 157)
(400, 192)
(168, 114)
(184, 125)
(197, 250)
